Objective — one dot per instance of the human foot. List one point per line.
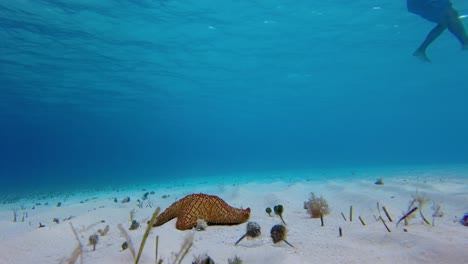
(421, 55)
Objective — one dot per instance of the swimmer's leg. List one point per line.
(455, 26)
(434, 34)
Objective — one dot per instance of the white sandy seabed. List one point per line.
(445, 242)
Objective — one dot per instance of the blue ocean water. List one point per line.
(114, 92)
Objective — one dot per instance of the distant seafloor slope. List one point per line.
(93, 92)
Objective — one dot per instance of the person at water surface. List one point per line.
(446, 17)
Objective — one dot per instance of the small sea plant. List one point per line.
(406, 216)
(316, 206)
(268, 211)
(387, 214)
(278, 234)
(129, 243)
(146, 234)
(124, 245)
(420, 200)
(135, 225)
(385, 224)
(128, 240)
(253, 230)
(203, 259)
(25, 215)
(68, 218)
(184, 249)
(104, 231)
(235, 260)
(437, 212)
(78, 252)
(93, 240)
(279, 209)
(379, 181)
(132, 215)
(15, 214)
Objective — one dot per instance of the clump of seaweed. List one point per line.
(316, 206)
(278, 234)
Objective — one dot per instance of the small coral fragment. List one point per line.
(201, 225)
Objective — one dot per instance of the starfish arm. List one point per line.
(170, 213)
(187, 219)
(228, 215)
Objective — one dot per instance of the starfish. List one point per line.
(210, 208)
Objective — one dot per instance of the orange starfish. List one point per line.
(210, 208)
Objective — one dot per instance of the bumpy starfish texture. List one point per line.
(210, 208)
